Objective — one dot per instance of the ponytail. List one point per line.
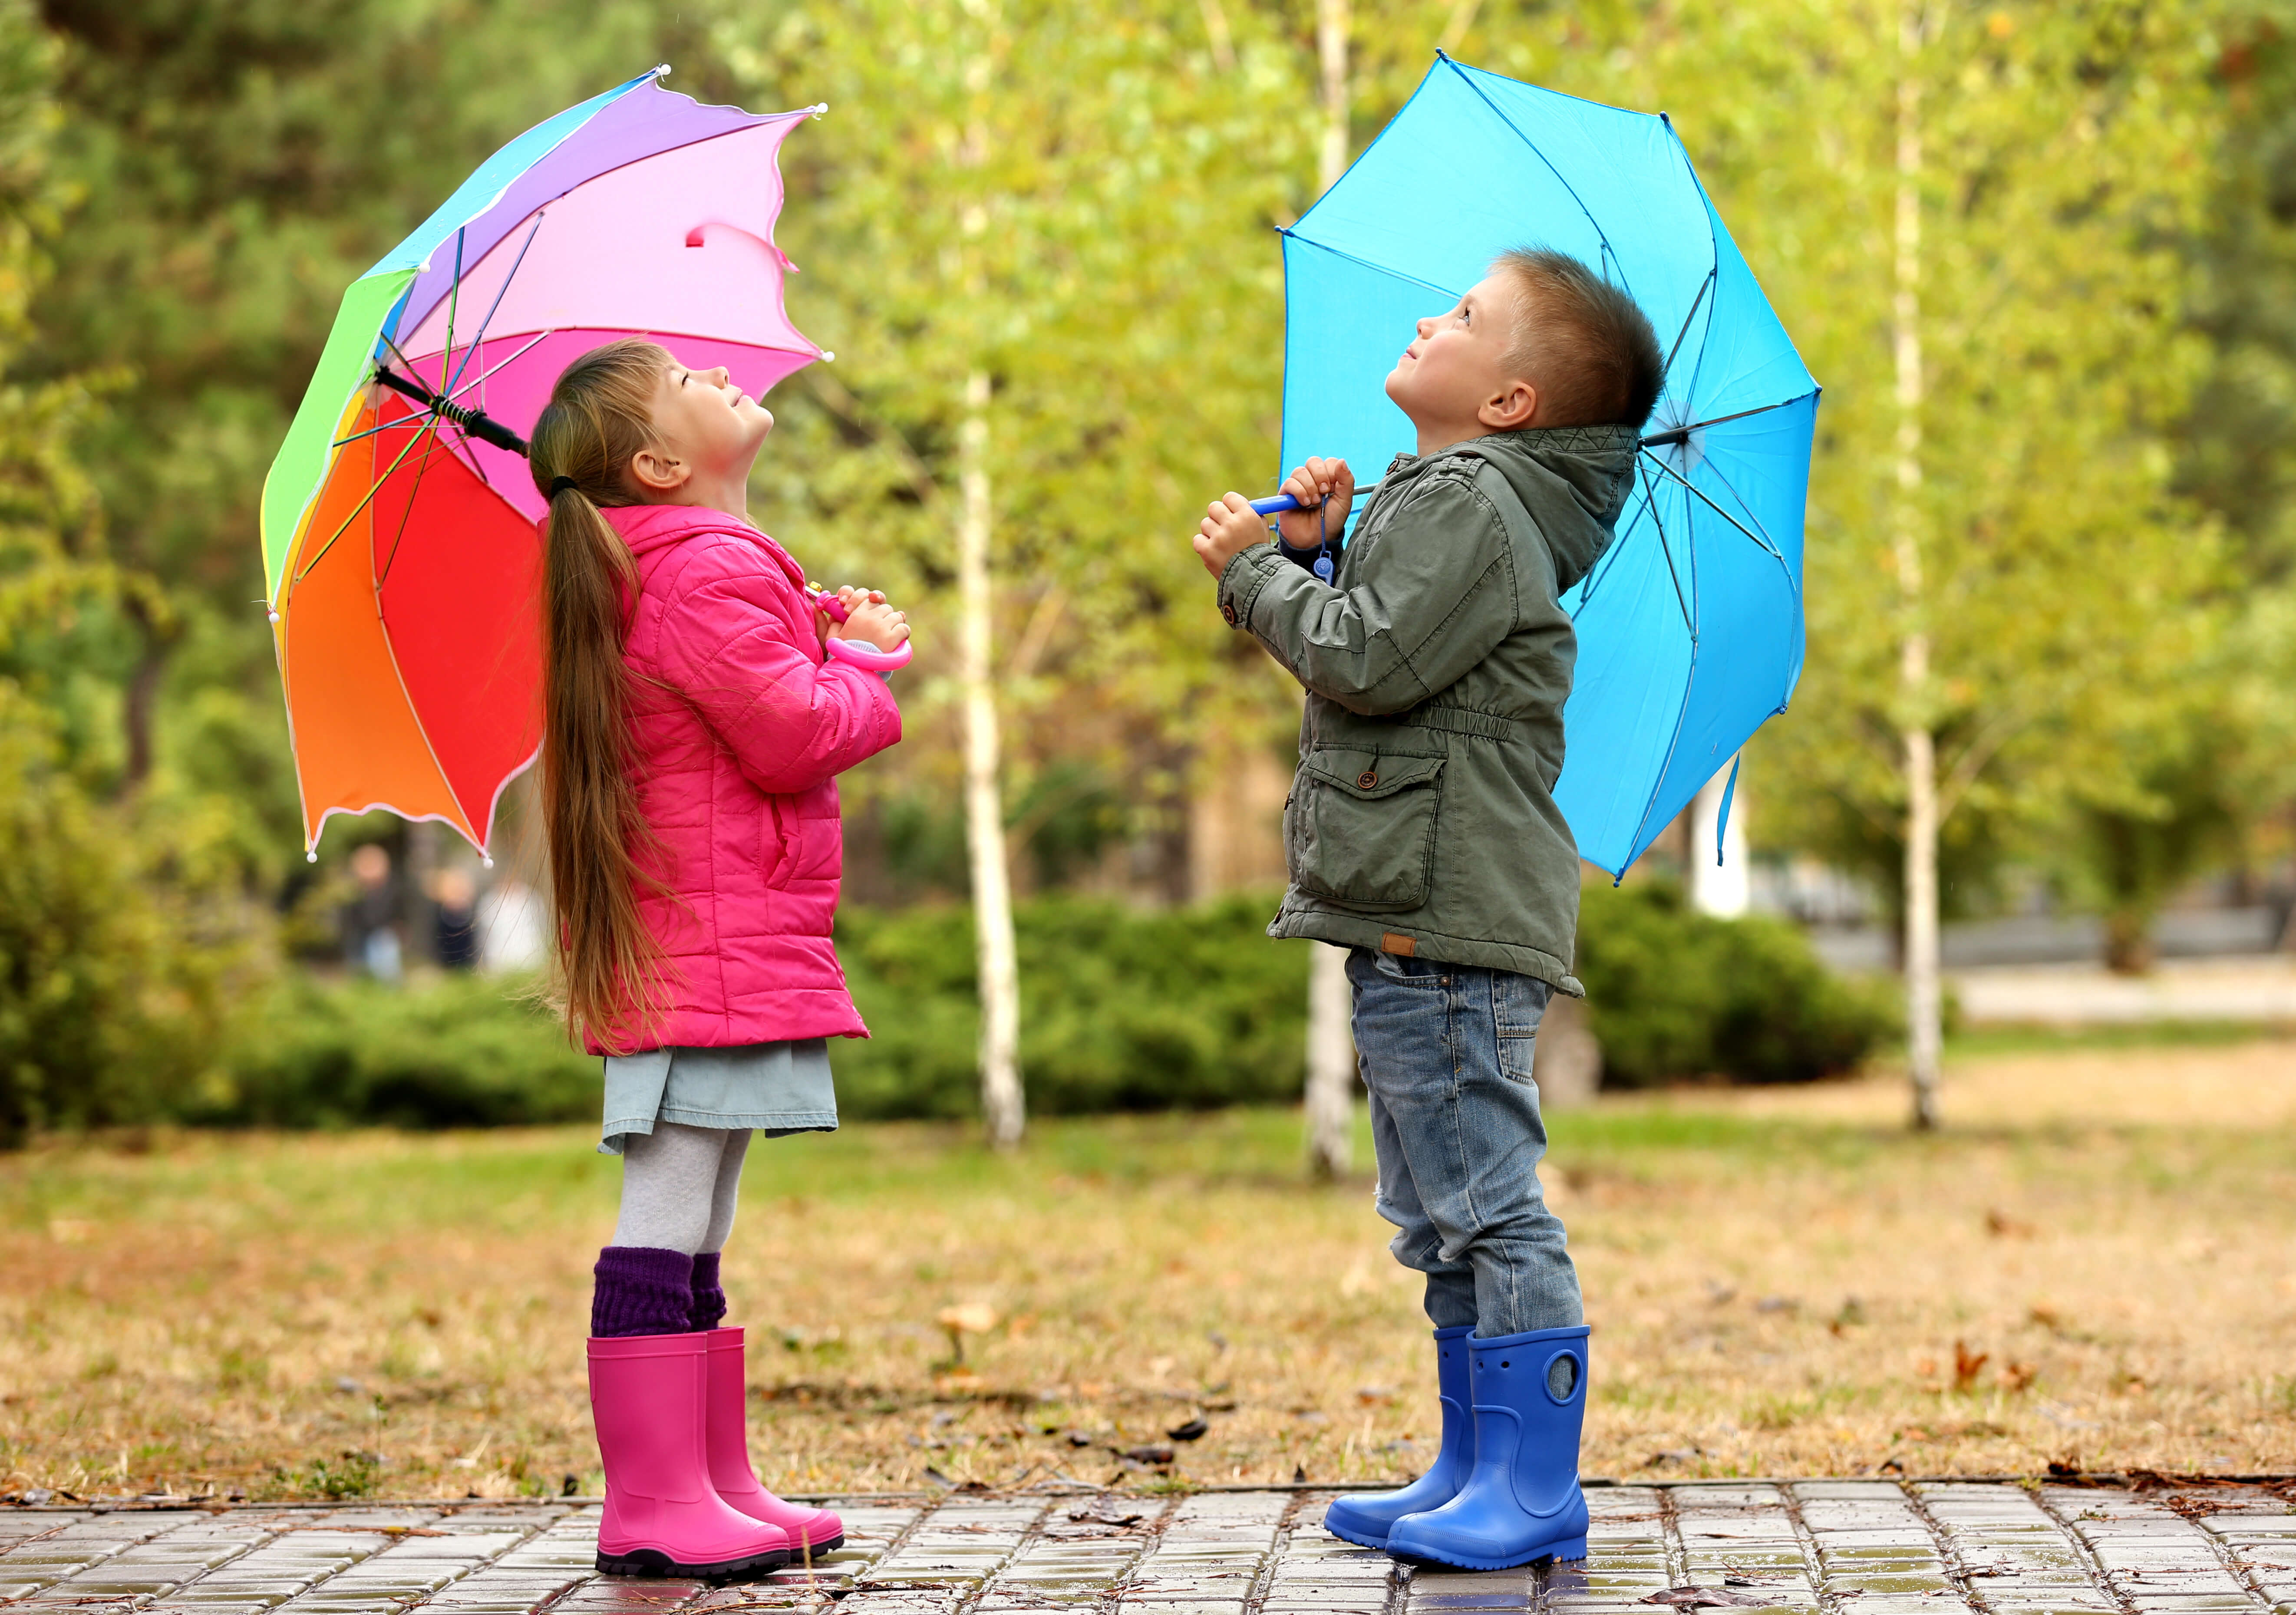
(611, 966)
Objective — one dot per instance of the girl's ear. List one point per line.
(657, 472)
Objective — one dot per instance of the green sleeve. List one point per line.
(1433, 593)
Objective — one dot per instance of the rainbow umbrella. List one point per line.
(401, 554)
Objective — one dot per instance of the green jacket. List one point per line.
(1422, 819)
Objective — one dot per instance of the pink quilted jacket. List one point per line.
(741, 751)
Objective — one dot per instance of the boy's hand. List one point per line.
(1229, 528)
(1312, 484)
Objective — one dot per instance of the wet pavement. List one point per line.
(1811, 1547)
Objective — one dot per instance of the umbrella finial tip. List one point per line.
(828, 357)
(310, 856)
(661, 70)
(820, 108)
(489, 863)
(274, 616)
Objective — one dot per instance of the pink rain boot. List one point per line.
(812, 1531)
(650, 1396)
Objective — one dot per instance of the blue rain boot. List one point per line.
(1522, 1501)
(1364, 1517)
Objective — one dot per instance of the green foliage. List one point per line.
(1674, 994)
(1127, 1010)
(460, 1053)
(117, 976)
(1122, 1009)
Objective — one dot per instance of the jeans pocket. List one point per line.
(1518, 1004)
(1361, 827)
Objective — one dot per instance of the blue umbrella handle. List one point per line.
(1280, 503)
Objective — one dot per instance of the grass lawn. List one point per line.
(2095, 1262)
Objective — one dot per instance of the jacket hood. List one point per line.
(652, 526)
(1573, 480)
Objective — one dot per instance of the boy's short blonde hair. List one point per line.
(1582, 343)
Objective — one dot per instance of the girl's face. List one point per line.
(709, 429)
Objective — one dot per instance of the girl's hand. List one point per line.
(870, 621)
(825, 625)
(1314, 483)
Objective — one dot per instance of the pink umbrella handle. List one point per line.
(858, 652)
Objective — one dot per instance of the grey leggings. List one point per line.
(679, 1184)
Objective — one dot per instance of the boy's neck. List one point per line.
(1435, 439)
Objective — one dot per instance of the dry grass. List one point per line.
(2097, 1262)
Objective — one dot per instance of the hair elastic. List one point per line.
(559, 485)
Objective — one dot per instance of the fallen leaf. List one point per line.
(1149, 1455)
(1703, 1598)
(1967, 1365)
(1193, 1429)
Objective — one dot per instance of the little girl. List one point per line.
(693, 727)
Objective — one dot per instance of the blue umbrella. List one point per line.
(1690, 627)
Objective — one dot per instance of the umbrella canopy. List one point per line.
(1690, 627)
(401, 554)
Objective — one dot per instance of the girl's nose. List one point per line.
(722, 375)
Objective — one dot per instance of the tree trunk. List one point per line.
(1331, 1044)
(1719, 885)
(1924, 988)
(1924, 994)
(1001, 1102)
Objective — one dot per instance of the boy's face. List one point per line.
(1458, 365)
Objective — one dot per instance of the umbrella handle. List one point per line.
(1277, 504)
(859, 653)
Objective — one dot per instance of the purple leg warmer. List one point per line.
(709, 1297)
(642, 1291)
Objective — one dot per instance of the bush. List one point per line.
(1673, 994)
(463, 1052)
(1121, 1010)
(118, 963)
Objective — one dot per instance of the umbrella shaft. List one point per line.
(477, 423)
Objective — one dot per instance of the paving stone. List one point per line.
(1865, 1548)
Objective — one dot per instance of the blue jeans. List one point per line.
(1446, 1054)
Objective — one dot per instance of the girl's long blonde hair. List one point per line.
(600, 414)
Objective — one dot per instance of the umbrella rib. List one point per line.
(454, 302)
(1611, 553)
(1677, 434)
(1366, 263)
(1689, 623)
(1768, 542)
(1533, 146)
(480, 336)
(1759, 542)
(478, 380)
(305, 572)
(1696, 303)
(422, 470)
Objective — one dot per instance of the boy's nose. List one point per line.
(1426, 326)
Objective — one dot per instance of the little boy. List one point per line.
(1421, 835)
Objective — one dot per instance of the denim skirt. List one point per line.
(776, 1088)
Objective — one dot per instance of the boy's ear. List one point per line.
(657, 471)
(1510, 408)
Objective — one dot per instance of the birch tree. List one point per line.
(1331, 1040)
(1037, 240)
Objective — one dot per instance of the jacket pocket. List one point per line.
(777, 843)
(1361, 827)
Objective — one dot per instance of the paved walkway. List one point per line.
(1826, 1547)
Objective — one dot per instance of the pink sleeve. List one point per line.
(792, 722)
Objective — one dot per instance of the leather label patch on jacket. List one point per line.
(1396, 942)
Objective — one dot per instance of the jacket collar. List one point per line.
(652, 526)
